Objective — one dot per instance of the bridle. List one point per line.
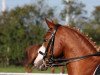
(60, 62)
(50, 45)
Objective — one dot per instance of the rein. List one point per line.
(67, 61)
(61, 62)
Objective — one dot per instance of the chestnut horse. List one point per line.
(79, 52)
(30, 55)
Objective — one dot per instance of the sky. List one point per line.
(90, 4)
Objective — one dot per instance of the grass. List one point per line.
(12, 69)
(19, 69)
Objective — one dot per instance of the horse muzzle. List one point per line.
(41, 66)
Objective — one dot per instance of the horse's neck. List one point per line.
(77, 45)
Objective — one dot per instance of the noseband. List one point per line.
(60, 62)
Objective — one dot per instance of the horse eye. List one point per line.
(45, 40)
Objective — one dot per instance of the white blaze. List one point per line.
(40, 56)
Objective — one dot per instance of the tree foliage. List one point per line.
(75, 10)
(93, 27)
(24, 26)
(19, 28)
(77, 13)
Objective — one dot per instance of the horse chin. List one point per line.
(41, 66)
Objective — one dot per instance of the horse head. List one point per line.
(44, 51)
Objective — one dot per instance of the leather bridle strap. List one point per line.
(51, 42)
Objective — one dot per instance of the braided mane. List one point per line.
(77, 30)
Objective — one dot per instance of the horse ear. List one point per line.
(49, 23)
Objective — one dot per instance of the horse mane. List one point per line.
(77, 30)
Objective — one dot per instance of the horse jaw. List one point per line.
(39, 59)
